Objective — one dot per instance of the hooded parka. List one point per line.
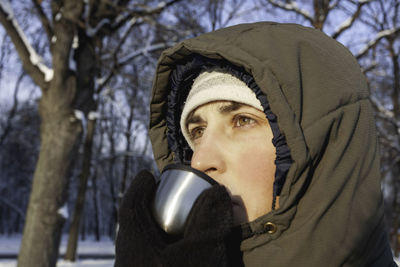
(330, 207)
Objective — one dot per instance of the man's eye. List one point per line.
(243, 121)
(196, 133)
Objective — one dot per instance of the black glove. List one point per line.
(141, 242)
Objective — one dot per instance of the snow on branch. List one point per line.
(292, 6)
(384, 113)
(146, 11)
(388, 139)
(344, 26)
(125, 16)
(63, 211)
(94, 115)
(144, 51)
(364, 1)
(114, 24)
(349, 22)
(79, 115)
(379, 36)
(6, 6)
(32, 62)
(333, 5)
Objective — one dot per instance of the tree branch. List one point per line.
(132, 24)
(13, 207)
(369, 68)
(376, 40)
(388, 141)
(293, 8)
(350, 21)
(2, 54)
(31, 61)
(334, 5)
(384, 113)
(233, 13)
(43, 18)
(13, 110)
(146, 11)
(128, 59)
(120, 20)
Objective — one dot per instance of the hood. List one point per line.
(331, 204)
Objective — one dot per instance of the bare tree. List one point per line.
(316, 12)
(384, 19)
(74, 31)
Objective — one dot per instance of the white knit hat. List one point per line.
(216, 85)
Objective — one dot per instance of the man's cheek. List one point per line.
(249, 162)
(257, 165)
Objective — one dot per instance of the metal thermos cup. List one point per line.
(178, 188)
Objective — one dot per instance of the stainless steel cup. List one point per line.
(177, 191)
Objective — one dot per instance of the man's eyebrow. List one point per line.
(232, 106)
(193, 119)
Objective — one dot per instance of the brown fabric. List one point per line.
(331, 210)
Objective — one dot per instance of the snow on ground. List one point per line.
(62, 263)
(10, 245)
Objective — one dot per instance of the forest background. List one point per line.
(75, 83)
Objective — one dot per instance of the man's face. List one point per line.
(233, 145)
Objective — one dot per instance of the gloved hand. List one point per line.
(141, 242)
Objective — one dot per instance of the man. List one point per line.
(279, 116)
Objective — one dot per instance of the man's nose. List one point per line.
(208, 154)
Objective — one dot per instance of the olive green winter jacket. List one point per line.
(330, 208)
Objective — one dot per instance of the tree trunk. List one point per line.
(94, 181)
(83, 228)
(395, 221)
(59, 134)
(396, 79)
(60, 131)
(80, 202)
(85, 58)
(96, 209)
(112, 177)
(125, 167)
